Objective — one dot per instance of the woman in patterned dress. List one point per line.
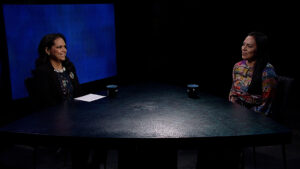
(254, 78)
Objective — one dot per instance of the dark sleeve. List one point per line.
(75, 81)
(46, 90)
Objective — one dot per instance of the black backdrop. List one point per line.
(200, 42)
(191, 42)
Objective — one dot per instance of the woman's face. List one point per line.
(249, 48)
(58, 51)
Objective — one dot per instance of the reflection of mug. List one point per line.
(192, 90)
(112, 90)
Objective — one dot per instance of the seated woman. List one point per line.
(56, 82)
(55, 75)
(254, 78)
(254, 83)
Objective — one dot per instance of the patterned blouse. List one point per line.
(65, 85)
(242, 76)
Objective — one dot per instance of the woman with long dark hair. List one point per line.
(57, 82)
(254, 78)
(55, 75)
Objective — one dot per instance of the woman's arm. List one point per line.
(232, 93)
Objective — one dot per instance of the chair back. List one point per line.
(282, 99)
(30, 86)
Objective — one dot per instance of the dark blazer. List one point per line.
(47, 90)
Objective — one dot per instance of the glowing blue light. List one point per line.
(89, 30)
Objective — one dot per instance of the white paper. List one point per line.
(89, 97)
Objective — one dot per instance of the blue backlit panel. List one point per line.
(88, 28)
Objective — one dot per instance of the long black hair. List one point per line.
(47, 42)
(262, 58)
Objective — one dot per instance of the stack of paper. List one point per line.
(89, 97)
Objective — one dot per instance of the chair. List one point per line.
(34, 99)
(282, 99)
(280, 105)
(30, 84)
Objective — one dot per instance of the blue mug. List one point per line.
(192, 90)
(112, 90)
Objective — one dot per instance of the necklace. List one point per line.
(60, 70)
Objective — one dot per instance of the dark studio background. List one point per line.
(198, 42)
(187, 41)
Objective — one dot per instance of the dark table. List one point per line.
(155, 113)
